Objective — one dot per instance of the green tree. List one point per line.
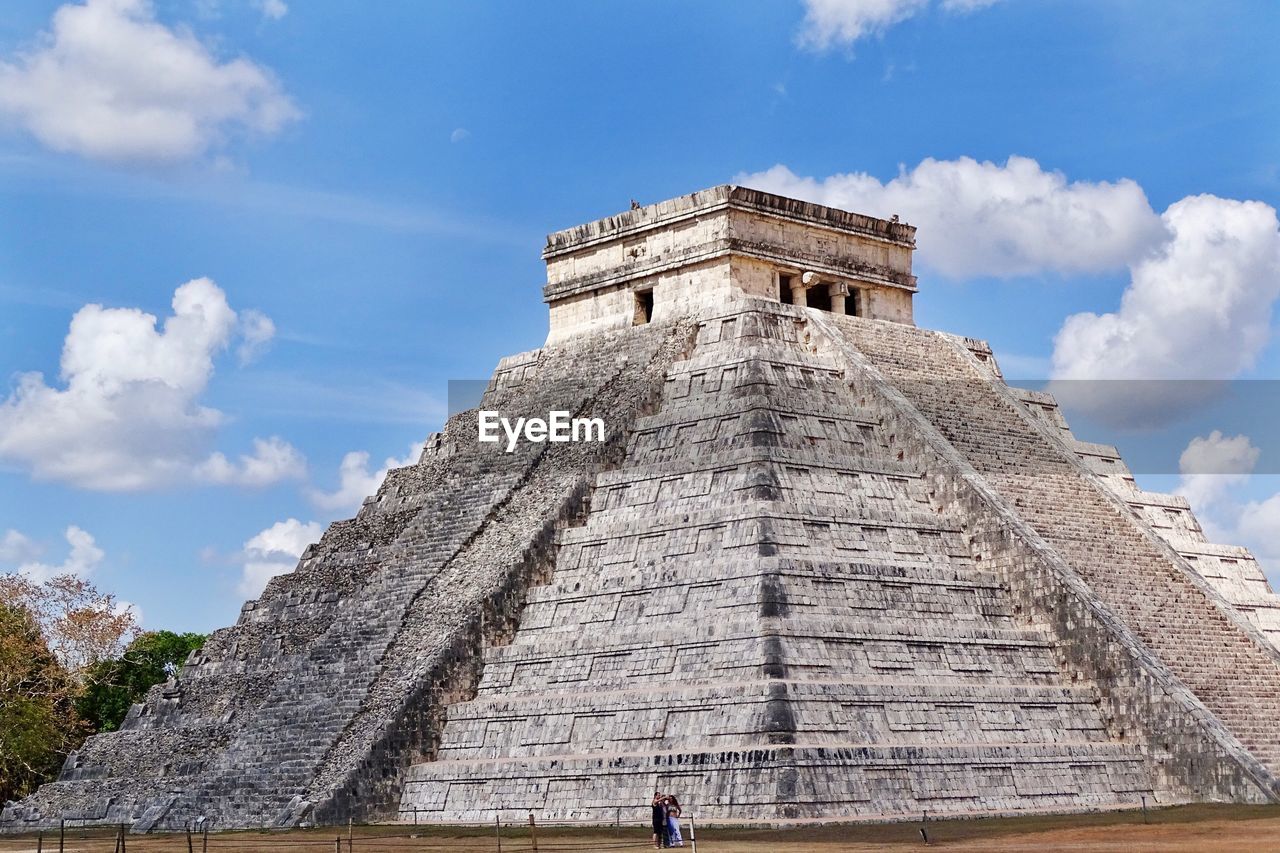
(38, 723)
(112, 686)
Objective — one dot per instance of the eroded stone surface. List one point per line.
(828, 566)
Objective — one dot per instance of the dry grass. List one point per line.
(1176, 830)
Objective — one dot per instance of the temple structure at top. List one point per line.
(663, 260)
(826, 566)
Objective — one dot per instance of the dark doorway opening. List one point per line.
(820, 297)
(784, 289)
(644, 306)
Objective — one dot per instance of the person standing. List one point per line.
(661, 829)
(674, 838)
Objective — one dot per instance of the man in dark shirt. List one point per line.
(659, 820)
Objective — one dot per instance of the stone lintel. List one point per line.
(668, 213)
(629, 246)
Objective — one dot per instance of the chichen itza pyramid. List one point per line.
(827, 565)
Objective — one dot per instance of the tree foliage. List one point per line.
(112, 686)
(38, 723)
(81, 625)
(55, 636)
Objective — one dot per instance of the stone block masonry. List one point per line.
(824, 566)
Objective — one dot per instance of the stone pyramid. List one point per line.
(825, 565)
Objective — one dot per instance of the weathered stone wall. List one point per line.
(1230, 569)
(1209, 735)
(309, 707)
(768, 613)
(825, 568)
(681, 251)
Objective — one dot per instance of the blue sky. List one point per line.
(367, 191)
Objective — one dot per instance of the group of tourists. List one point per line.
(666, 821)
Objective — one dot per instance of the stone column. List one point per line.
(800, 288)
(799, 292)
(838, 290)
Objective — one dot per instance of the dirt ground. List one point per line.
(1176, 830)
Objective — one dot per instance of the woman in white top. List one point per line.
(673, 821)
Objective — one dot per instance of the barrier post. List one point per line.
(350, 840)
(62, 833)
(189, 850)
(337, 844)
(533, 832)
(693, 835)
(40, 843)
(204, 839)
(497, 830)
(123, 839)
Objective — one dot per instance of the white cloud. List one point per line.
(256, 332)
(16, 547)
(272, 461)
(831, 23)
(81, 560)
(1214, 469)
(459, 134)
(356, 482)
(129, 416)
(1198, 308)
(275, 551)
(989, 219)
(828, 23)
(1258, 526)
(1212, 464)
(110, 82)
(122, 607)
(1203, 276)
(277, 9)
(963, 6)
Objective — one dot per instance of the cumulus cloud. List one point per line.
(16, 547)
(832, 23)
(356, 482)
(1215, 467)
(272, 461)
(1203, 276)
(1258, 526)
(459, 134)
(1212, 464)
(108, 81)
(1198, 308)
(275, 551)
(256, 333)
(993, 219)
(129, 415)
(83, 557)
